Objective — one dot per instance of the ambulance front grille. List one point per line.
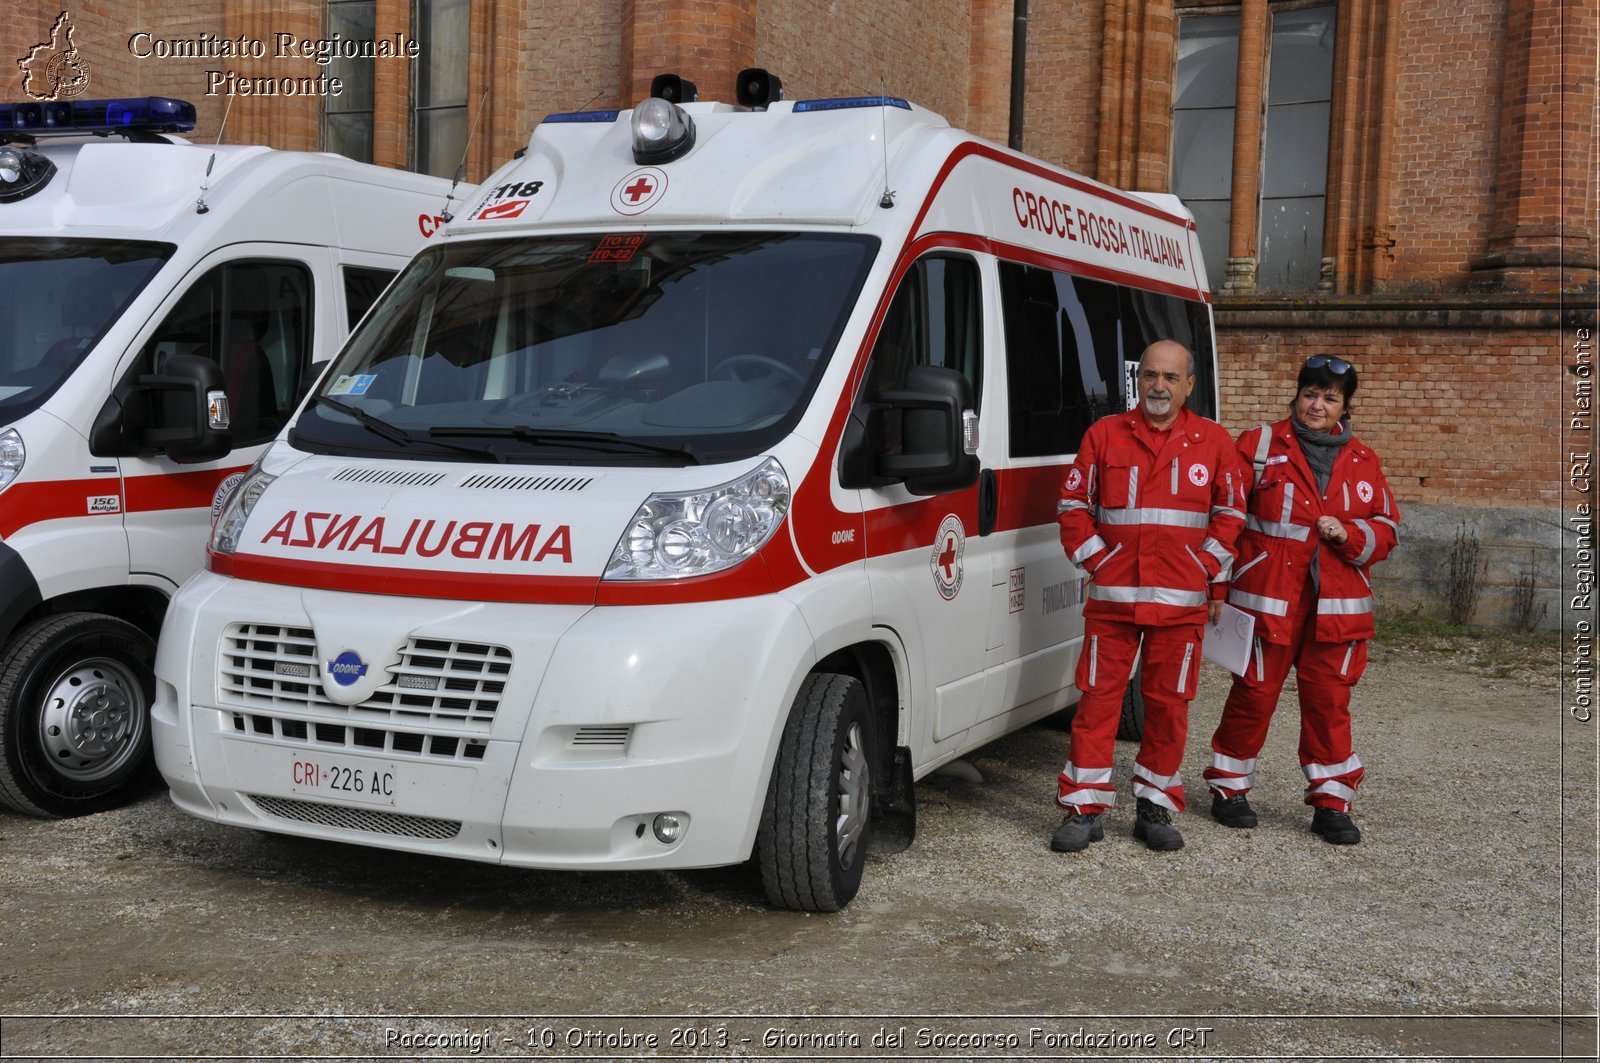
(358, 739)
(434, 682)
(391, 477)
(509, 482)
(344, 817)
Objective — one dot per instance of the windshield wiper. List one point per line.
(394, 433)
(600, 441)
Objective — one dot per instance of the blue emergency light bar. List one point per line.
(583, 116)
(138, 114)
(844, 103)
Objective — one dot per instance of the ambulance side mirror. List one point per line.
(916, 435)
(181, 411)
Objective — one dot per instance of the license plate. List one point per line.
(330, 778)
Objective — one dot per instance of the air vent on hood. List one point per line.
(500, 482)
(399, 477)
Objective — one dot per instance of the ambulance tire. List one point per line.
(1130, 728)
(812, 844)
(75, 696)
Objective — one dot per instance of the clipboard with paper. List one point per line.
(1227, 642)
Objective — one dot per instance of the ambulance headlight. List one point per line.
(236, 509)
(12, 455)
(662, 131)
(703, 532)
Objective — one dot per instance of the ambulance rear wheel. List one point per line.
(812, 844)
(1130, 728)
(75, 694)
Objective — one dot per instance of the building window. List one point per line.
(347, 117)
(439, 89)
(1295, 102)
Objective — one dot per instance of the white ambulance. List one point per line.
(688, 501)
(141, 279)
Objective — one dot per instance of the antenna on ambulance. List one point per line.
(883, 117)
(205, 182)
(462, 169)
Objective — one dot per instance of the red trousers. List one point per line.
(1325, 672)
(1170, 676)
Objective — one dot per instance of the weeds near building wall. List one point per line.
(1467, 568)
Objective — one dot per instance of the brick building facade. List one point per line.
(1454, 223)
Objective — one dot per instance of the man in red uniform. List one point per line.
(1151, 508)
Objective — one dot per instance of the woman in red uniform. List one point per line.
(1320, 516)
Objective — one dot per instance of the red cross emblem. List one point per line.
(639, 191)
(945, 560)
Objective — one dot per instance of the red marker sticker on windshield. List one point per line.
(617, 248)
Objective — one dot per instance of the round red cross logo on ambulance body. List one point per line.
(948, 546)
(639, 191)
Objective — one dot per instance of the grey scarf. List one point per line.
(1321, 450)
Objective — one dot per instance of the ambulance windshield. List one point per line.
(57, 298)
(614, 348)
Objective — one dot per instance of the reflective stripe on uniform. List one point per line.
(1343, 606)
(1094, 545)
(1276, 528)
(1094, 657)
(1316, 771)
(1334, 789)
(1183, 673)
(1133, 487)
(1171, 518)
(1371, 544)
(1154, 794)
(1259, 602)
(1089, 797)
(1346, 497)
(1155, 595)
(1067, 505)
(1252, 563)
(1229, 764)
(1085, 776)
(1390, 523)
(1349, 652)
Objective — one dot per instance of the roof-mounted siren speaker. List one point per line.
(756, 88)
(673, 89)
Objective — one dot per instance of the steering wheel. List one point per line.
(729, 368)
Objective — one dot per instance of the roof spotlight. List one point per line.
(22, 173)
(674, 89)
(662, 131)
(756, 88)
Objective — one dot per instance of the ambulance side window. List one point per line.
(1064, 354)
(933, 320)
(254, 320)
(362, 286)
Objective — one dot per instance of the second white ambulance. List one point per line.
(146, 283)
(689, 500)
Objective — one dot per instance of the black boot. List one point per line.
(1232, 811)
(1076, 832)
(1154, 827)
(1336, 828)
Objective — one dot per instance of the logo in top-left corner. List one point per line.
(55, 69)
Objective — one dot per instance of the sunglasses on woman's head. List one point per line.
(1336, 366)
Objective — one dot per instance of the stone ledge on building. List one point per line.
(1513, 543)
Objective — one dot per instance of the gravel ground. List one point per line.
(1464, 925)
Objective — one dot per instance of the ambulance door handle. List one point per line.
(988, 501)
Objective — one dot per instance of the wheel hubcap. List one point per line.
(854, 793)
(92, 718)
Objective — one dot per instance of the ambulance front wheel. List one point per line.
(812, 844)
(1130, 728)
(75, 694)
